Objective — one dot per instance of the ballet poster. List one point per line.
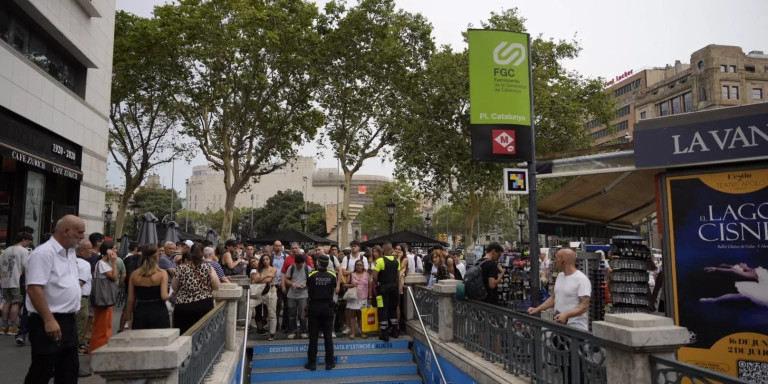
(718, 225)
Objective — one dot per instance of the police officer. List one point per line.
(385, 275)
(321, 285)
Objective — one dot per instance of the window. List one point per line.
(726, 94)
(703, 94)
(623, 111)
(643, 115)
(749, 68)
(700, 65)
(757, 93)
(733, 69)
(676, 106)
(723, 68)
(623, 126)
(663, 109)
(687, 103)
(735, 93)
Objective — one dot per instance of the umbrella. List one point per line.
(287, 237)
(212, 236)
(148, 232)
(124, 244)
(413, 239)
(172, 233)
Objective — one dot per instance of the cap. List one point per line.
(323, 260)
(189, 243)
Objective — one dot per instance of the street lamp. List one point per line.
(391, 213)
(521, 223)
(303, 217)
(428, 224)
(250, 218)
(135, 208)
(108, 218)
(240, 231)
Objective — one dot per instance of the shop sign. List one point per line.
(41, 164)
(500, 95)
(718, 235)
(714, 141)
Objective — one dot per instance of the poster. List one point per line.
(33, 209)
(429, 371)
(718, 225)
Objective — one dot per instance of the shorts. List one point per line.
(13, 295)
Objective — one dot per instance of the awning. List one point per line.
(621, 199)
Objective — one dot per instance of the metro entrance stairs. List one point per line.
(358, 361)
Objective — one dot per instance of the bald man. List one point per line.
(571, 294)
(53, 299)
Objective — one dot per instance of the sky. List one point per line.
(615, 36)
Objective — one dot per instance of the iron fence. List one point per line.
(528, 346)
(427, 301)
(667, 371)
(208, 337)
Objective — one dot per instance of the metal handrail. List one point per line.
(426, 335)
(245, 337)
(662, 368)
(208, 339)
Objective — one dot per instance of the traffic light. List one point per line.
(441, 236)
(458, 239)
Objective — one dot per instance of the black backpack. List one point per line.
(474, 286)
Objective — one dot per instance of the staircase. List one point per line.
(361, 361)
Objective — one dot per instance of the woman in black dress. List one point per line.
(147, 293)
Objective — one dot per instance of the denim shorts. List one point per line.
(13, 295)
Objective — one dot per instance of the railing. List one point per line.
(666, 371)
(208, 337)
(426, 336)
(427, 304)
(528, 346)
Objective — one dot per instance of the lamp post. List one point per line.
(521, 223)
(428, 225)
(250, 219)
(240, 231)
(391, 213)
(107, 218)
(303, 217)
(135, 207)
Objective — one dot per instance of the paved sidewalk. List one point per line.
(15, 360)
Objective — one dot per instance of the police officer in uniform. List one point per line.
(321, 285)
(386, 278)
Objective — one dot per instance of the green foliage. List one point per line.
(157, 201)
(283, 212)
(435, 148)
(142, 112)
(371, 56)
(246, 95)
(374, 219)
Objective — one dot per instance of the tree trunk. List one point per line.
(469, 220)
(120, 220)
(229, 213)
(345, 211)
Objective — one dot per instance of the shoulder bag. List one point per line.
(103, 290)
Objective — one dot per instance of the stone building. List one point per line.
(55, 84)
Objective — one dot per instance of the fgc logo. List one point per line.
(505, 53)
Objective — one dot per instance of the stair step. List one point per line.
(387, 379)
(356, 371)
(296, 346)
(341, 357)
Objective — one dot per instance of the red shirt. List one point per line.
(289, 261)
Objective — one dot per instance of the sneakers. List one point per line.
(333, 334)
(4, 331)
(330, 366)
(271, 337)
(304, 336)
(351, 336)
(363, 335)
(311, 367)
(345, 330)
(394, 331)
(383, 336)
(21, 340)
(292, 336)
(13, 331)
(82, 350)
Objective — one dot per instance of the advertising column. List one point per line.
(718, 227)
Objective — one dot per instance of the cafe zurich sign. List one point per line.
(709, 137)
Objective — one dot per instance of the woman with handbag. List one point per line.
(263, 290)
(356, 296)
(103, 295)
(148, 289)
(195, 282)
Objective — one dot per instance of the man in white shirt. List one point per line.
(12, 262)
(571, 295)
(53, 299)
(348, 262)
(83, 252)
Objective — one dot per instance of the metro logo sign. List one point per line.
(504, 142)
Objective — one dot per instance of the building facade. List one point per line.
(55, 84)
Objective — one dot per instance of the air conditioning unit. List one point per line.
(89, 7)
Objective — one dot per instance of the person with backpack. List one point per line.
(295, 286)
(481, 280)
(385, 278)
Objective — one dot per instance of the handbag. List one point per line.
(370, 319)
(351, 294)
(103, 291)
(259, 290)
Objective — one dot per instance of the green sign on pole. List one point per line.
(499, 84)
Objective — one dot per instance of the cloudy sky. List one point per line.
(615, 36)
